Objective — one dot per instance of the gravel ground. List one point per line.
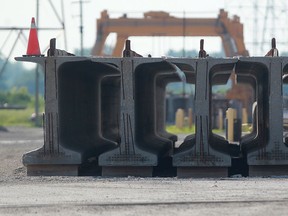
(22, 195)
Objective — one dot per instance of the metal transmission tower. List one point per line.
(274, 24)
(62, 23)
(262, 21)
(21, 31)
(268, 31)
(21, 36)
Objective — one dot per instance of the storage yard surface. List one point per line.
(22, 195)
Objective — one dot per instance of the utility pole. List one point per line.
(37, 119)
(184, 51)
(255, 27)
(81, 26)
(184, 34)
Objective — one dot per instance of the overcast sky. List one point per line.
(18, 13)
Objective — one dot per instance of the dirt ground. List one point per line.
(22, 195)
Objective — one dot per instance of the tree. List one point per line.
(16, 96)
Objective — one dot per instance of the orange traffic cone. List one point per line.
(33, 48)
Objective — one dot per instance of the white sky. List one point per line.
(18, 13)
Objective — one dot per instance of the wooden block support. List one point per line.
(190, 118)
(230, 116)
(244, 116)
(180, 118)
(220, 119)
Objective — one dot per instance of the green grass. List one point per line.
(185, 130)
(16, 117)
(247, 128)
(218, 131)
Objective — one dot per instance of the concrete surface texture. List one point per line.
(22, 195)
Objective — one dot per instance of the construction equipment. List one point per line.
(159, 23)
(106, 115)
